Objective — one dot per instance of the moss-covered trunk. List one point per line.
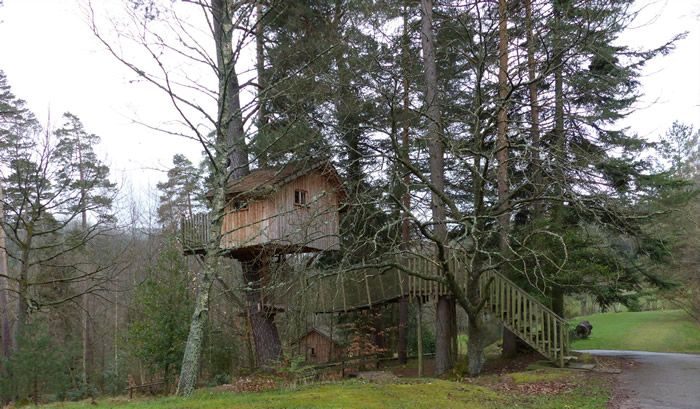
(193, 349)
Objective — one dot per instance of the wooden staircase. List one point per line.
(526, 317)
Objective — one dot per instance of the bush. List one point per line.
(39, 366)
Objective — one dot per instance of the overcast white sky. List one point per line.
(53, 61)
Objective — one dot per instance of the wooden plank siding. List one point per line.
(318, 348)
(277, 220)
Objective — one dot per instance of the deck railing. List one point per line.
(194, 232)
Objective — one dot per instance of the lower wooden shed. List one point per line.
(319, 346)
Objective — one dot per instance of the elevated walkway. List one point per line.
(364, 286)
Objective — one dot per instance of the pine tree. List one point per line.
(181, 194)
(46, 193)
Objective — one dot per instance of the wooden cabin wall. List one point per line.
(324, 349)
(246, 227)
(276, 219)
(314, 225)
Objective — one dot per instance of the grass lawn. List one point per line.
(657, 331)
(542, 389)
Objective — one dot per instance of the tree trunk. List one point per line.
(230, 144)
(502, 129)
(475, 346)
(443, 352)
(558, 300)
(406, 194)
(560, 138)
(23, 286)
(475, 329)
(260, 68)
(230, 131)
(193, 349)
(534, 107)
(268, 347)
(348, 123)
(85, 338)
(5, 330)
(510, 340)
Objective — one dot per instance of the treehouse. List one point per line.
(276, 210)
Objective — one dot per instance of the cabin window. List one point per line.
(312, 352)
(238, 204)
(300, 197)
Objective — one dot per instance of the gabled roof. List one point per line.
(265, 181)
(323, 332)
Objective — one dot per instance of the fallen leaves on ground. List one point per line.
(535, 388)
(249, 384)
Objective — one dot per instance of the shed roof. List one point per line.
(325, 332)
(265, 181)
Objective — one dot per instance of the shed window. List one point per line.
(300, 197)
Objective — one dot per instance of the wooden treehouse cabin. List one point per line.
(276, 210)
(295, 208)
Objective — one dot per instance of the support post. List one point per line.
(419, 336)
(403, 330)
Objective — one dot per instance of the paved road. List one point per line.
(659, 380)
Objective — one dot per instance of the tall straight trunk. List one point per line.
(85, 336)
(85, 301)
(559, 135)
(5, 330)
(510, 343)
(230, 133)
(444, 358)
(347, 117)
(502, 128)
(557, 61)
(558, 300)
(115, 336)
(260, 68)
(268, 347)
(406, 194)
(231, 145)
(475, 352)
(446, 333)
(23, 282)
(534, 106)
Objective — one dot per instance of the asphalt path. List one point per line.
(658, 380)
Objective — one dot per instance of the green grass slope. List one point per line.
(656, 331)
(582, 392)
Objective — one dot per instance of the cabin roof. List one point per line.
(265, 181)
(324, 332)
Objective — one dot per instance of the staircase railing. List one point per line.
(526, 317)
